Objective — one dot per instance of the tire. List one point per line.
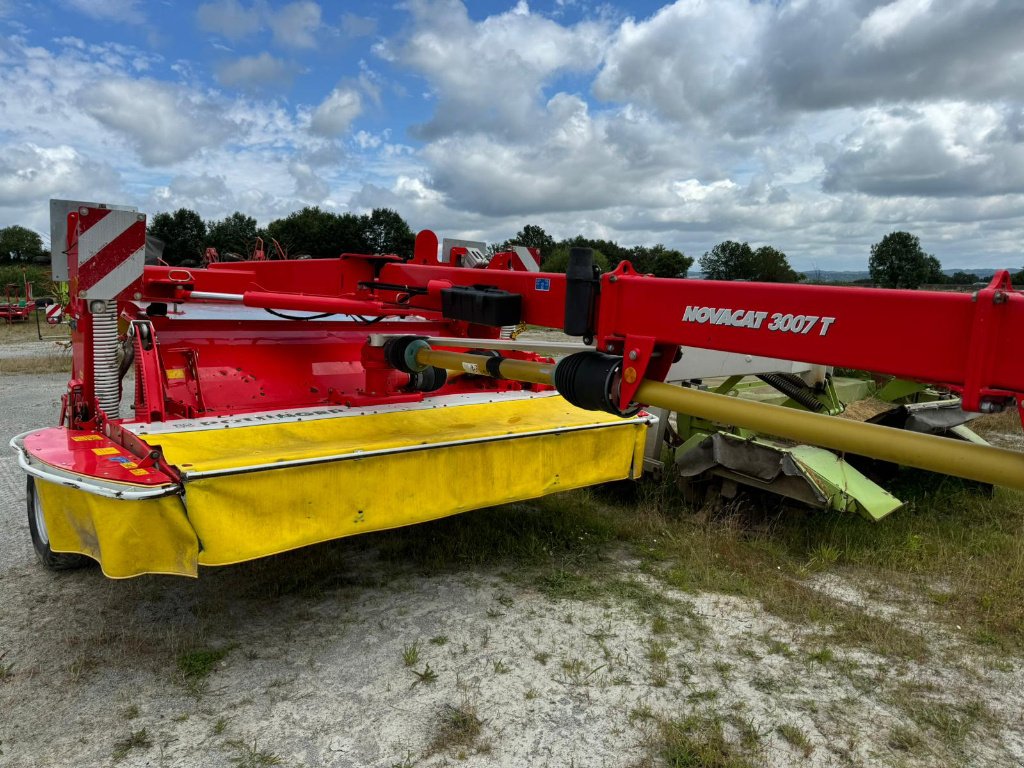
(55, 561)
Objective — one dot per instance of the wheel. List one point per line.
(56, 561)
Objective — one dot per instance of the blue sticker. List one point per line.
(120, 459)
(542, 284)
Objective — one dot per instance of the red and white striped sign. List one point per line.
(54, 313)
(528, 258)
(111, 251)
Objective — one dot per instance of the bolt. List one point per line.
(999, 298)
(633, 355)
(613, 279)
(609, 347)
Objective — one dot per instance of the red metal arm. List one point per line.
(963, 341)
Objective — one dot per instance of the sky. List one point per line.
(814, 126)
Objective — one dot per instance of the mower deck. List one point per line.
(265, 483)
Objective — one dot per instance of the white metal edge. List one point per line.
(316, 413)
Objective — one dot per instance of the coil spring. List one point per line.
(795, 388)
(104, 360)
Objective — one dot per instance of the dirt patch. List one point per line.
(344, 655)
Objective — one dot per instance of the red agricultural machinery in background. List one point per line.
(275, 404)
(17, 304)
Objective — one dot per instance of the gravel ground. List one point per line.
(321, 658)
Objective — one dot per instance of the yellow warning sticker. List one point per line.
(108, 451)
(129, 464)
(175, 373)
(139, 471)
(84, 438)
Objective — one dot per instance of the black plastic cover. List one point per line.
(482, 304)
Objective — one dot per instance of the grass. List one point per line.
(458, 731)
(411, 655)
(250, 755)
(198, 664)
(696, 741)
(951, 550)
(134, 740)
(796, 737)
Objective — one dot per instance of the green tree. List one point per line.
(772, 266)
(964, 278)
(532, 236)
(660, 261)
(935, 274)
(233, 234)
(558, 260)
(320, 234)
(183, 234)
(386, 232)
(897, 261)
(730, 260)
(19, 243)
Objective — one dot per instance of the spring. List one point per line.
(104, 361)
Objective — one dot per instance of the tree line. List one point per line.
(311, 233)
(896, 261)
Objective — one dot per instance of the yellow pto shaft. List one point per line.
(984, 463)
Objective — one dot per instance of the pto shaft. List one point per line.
(983, 463)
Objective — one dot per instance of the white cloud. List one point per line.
(165, 123)
(255, 72)
(229, 18)
(889, 21)
(125, 11)
(336, 113)
(295, 25)
(490, 75)
(29, 172)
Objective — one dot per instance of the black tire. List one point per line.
(55, 561)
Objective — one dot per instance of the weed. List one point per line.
(541, 657)
(500, 667)
(905, 739)
(494, 613)
(406, 762)
(427, 676)
(822, 656)
(795, 736)
(707, 694)
(198, 664)
(659, 625)
(439, 640)
(531, 693)
(641, 712)
(411, 654)
(220, 726)
(505, 600)
(952, 723)
(723, 668)
(577, 673)
(697, 741)
(657, 653)
(780, 648)
(134, 740)
(130, 712)
(250, 756)
(457, 728)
